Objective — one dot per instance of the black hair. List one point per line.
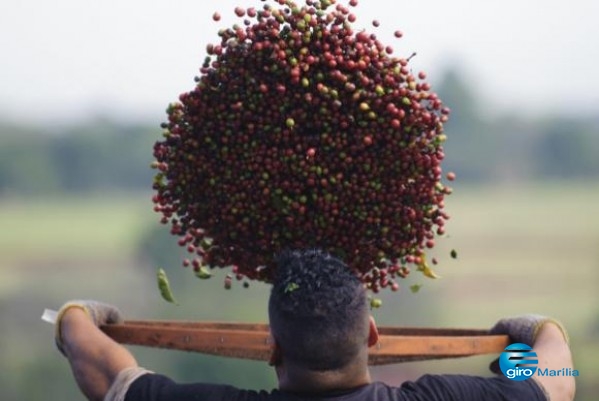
(318, 310)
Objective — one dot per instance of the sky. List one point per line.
(66, 60)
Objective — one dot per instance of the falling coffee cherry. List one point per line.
(228, 282)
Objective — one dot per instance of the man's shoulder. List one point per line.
(429, 387)
(466, 388)
(450, 387)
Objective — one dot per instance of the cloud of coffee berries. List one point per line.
(302, 132)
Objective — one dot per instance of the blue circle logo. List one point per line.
(518, 362)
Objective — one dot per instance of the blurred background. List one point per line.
(83, 88)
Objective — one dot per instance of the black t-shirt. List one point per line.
(152, 387)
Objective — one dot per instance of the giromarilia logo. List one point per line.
(519, 362)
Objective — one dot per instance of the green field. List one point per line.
(87, 225)
(520, 250)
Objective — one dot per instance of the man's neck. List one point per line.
(301, 380)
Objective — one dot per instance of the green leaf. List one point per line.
(164, 287)
(415, 288)
(291, 287)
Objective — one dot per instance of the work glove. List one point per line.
(523, 330)
(99, 313)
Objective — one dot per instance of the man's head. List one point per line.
(318, 312)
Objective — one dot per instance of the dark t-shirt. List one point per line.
(152, 387)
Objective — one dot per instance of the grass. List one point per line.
(72, 226)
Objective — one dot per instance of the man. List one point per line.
(322, 329)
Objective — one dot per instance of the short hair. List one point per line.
(318, 310)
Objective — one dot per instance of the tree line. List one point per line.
(103, 154)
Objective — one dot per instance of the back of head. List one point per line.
(318, 311)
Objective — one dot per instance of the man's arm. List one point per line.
(550, 341)
(95, 358)
(554, 354)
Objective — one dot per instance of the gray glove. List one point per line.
(99, 313)
(524, 330)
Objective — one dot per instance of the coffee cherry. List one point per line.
(239, 11)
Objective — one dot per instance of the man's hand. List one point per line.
(549, 339)
(99, 313)
(96, 360)
(524, 329)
